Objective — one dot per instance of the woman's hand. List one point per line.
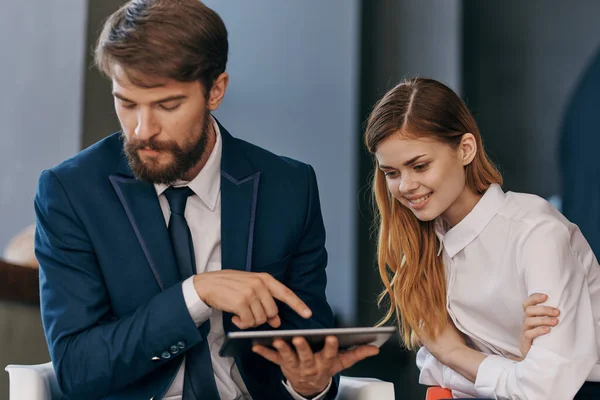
(538, 320)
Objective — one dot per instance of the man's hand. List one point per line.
(248, 295)
(307, 372)
(537, 321)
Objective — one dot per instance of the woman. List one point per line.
(458, 255)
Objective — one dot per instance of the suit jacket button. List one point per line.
(174, 349)
(181, 344)
(165, 355)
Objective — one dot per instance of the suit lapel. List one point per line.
(143, 210)
(238, 210)
(239, 195)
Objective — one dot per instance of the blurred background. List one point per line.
(304, 76)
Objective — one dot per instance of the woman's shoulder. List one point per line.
(539, 230)
(529, 213)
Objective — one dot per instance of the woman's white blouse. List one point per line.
(508, 247)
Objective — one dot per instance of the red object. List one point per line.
(438, 393)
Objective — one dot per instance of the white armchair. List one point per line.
(365, 389)
(33, 382)
(38, 382)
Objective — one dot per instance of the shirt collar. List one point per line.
(207, 184)
(467, 230)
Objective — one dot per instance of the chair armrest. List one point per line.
(34, 382)
(365, 389)
(38, 382)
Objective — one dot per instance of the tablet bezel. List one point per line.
(347, 337)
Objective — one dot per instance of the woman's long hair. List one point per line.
(407, 253)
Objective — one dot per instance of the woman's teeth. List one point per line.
(420, 200)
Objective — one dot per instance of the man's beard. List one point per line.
(183, 158)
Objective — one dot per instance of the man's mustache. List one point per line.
(151, 144)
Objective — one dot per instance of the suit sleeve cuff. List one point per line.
(489, 373)
(296, 396)
(199, 310)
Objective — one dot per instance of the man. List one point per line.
(156, 241)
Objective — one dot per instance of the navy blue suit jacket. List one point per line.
(579, 149)
(111, 298)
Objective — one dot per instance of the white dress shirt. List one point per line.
(508, 247)
(203, 216)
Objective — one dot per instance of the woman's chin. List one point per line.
(425, 215)
(425, 218)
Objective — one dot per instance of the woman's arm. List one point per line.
(450, 349)
(538, 320)
(434, 373)
(558, 363)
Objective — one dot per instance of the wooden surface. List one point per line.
(20, 284)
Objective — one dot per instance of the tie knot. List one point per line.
(177, 198)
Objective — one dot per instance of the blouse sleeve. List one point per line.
(560, 361)
(434, 373)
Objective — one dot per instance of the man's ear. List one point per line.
(217, 92)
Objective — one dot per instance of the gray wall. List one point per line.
(293, 90)
(522, 59)
(41, 77)
(40, 106)
(99, 117)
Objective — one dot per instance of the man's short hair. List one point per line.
(152, 40)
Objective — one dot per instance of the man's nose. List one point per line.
(146, 126)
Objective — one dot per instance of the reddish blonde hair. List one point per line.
(411, 271)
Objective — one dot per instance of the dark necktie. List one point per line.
(199, 382)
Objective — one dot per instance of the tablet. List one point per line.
(239, 342)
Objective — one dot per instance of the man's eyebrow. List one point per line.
(170, 98)
(163, 100)
(121, 97)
